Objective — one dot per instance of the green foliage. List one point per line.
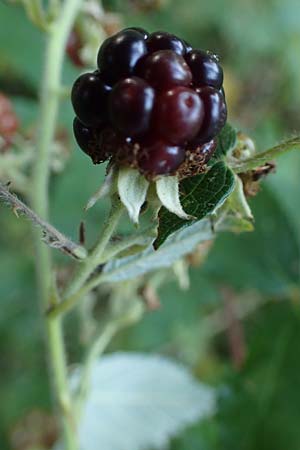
(200, 196)
(258, 406)
(226, 141)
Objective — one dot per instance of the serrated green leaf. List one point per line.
(261, 158)
(226, 141)
(200, 196)
(177, 245)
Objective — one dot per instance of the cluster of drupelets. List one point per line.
(154, 103)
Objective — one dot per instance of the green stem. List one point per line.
(263, 157)
(71, 299)
(49, 101)
(94, 259)
(142, 239)
(99, 344)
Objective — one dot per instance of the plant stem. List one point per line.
(97, 347)
(94, 259)
(49, 103)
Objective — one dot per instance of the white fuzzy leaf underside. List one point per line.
(139, 401)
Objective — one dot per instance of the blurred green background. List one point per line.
(255, 274)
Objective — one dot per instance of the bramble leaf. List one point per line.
(200, 196)
(167, 189)
(149, 396)
(177, 245)
(226, 142)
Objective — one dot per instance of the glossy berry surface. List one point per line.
(89, 98)
(165, 41)
(165, 69)
(119, 54)
(154, 104)
(90, 140)
(179, 114)
(140, 30)
(83, 135)
(160, 158)
(130, 105)
(205, 69)
(215, 114)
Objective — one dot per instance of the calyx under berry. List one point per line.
(154, 103)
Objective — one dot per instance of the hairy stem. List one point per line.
(49, 103)
(88, 266)
(50, 235)
(99, 344)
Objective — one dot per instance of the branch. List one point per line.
(261, 158)
(51, 236)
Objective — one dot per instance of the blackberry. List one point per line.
(165, 69)
(205, 69)
(165, 41)
(154, 103)
(179, 114)
(89, 98)
(158, 157)
(91, 140)
(139, 30)
(215, 114)
(119, 54)
(131, 103)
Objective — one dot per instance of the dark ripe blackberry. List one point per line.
(90, 140)
(164, 69)
(178, 114)
(160, 158)
(130, 105)
(215, 114)
(119, 54)
(205, 69)
(140, 30)
(89, 98)
(165, 41)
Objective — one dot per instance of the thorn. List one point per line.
(15, 211)
(82, 233)
(212, 224)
